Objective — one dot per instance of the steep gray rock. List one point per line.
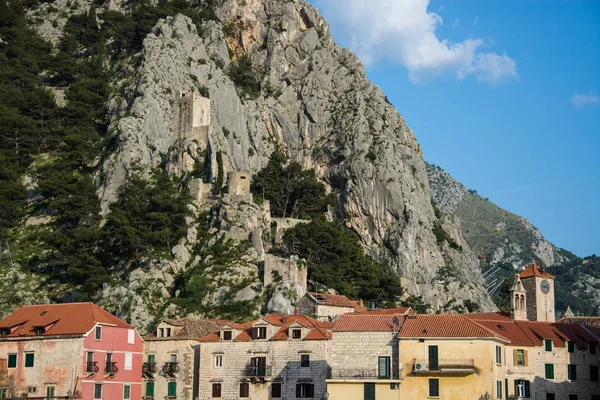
(317, 106)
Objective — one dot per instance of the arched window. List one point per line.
(516, 301)
(522, 302)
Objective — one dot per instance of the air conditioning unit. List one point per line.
(420, 366)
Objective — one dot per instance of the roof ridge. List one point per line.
(494, 334)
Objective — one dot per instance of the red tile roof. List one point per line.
(386, 311)
(58, 319)
(538, 331)
(491, 316)
(192, 328)
(336, 300)
(445, 325)
(591, 321)
(360, 322)
(534, 270)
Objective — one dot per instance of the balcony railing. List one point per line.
(360, 374)
(91, 367)
(445, 366)
(170, 368)
(149, 368)
(111, 368)
(260, 371)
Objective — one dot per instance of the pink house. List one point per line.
(59, 350)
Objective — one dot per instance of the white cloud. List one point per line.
(583, 100)
(404, 32)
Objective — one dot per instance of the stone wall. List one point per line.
(238, 182)
(162, 350)
(280, 225)
(283, 358)
(529, 285)
(287, 268)
(359, 351)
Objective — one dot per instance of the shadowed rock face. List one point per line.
(318, 107)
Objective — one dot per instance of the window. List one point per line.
(369, 391)
(244, 389)
(572, 397)
(150, 389)
(594, 373)
(51, 392)
(29, 360)
(12, 361)
(520, 357)
(131, 336)
(572, 372)
(173, 358)
(168, 332)
(498, 389)
(296, 333)
(394, 386)
(126, 391)
(305, 360)
(594, 397)
(98, 335)
(3, 393)
(571, 346)
(172, 389)
(434, 388)
(433, 358)
(592, 348)
(90, 356)
(151, 358)
(108, 358)
(97, 391)
(227, 335)
(128, 360)
(548, 344)
(31, 389)
(383, 367)
(305, 390)
(218, 361)
(522, 388)
(549, 371)
(550, 396)
(260, 332)
(216, 390)
(161, 332)
(276, 390)
(498, 355)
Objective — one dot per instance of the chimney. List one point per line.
(412, 314)
(360, 302)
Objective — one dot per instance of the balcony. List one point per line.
(149, 369)
(170, 368)
(453, 366)
(111, 368)
(261, 371)
(360, 374)
(92, 368)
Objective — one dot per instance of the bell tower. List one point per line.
(518, 300)
(539, 287)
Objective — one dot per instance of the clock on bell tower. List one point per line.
(539, 286)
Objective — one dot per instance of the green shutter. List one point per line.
(384, 368)
(127, 392)
(369, 391)
(151, 358)
(571, 346)
(572, 370)
(548, 344)
(12, 361)
(172, 389)
(29, 359)
(549, 371)
(150, 389)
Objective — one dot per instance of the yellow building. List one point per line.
(450, 357)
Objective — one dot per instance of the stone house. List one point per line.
(77, 349)
(327, 307)
(172, 357)
(276, 356)
(363, 356)
(448, 356)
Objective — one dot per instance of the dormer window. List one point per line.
(296, 333)
(168, 332)
(227, 335)
(39, 330)
(161, 332)
(259, 332)
(4, 332)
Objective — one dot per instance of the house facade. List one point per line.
(276, 356)
(76, 349)
(327, 307)
(171, 364)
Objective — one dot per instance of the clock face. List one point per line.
(545, 286)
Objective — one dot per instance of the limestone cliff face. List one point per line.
(318, 107)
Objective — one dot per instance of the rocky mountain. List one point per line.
(508, 242)
(212, 94)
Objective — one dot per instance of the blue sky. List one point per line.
(504, 95)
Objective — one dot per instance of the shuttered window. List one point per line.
(216, 390)
(305, 390)
(12, 361)
(276, 390)
(128, 360)
(519, 357)
(150, 389)
(369, 391)
(498, 389)
(594, 373)
(172, 389)
(126, 392)
(571, 346)
(29, 360)
(131, 336)
(97, 391)
(572, 372)
(522, 388)
(244, 389)
(549, 371)
(434, 388)
(383, 365)
(548, 344)
(498, 355)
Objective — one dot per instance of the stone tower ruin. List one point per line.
(192, 128)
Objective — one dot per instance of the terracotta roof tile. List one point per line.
(367, 323)
(282, 334)
(385, 311)
(534, 270)
(336, 300)
(576, 333)
(59, 319)
(213, 337)
(491, 316)
(193, 328)
(537, 331)
(591, 321)
(318, 333)
(444, 325)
